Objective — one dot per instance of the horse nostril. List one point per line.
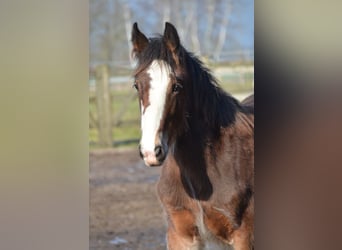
(158, 151)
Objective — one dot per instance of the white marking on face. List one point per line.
(159, 73)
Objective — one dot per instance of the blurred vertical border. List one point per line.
(298, 136)
(44, 125)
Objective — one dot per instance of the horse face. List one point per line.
(159, 91)
(152, 85)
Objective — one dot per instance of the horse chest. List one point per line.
(192, 218)
(208, 224)
(212, 223)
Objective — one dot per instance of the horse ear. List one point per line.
(171, 37)
(139, 40)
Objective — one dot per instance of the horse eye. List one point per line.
(176, 87)
(135, 85)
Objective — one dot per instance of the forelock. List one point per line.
(156, 50)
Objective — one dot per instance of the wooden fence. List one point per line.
(104, 121)
(103, 102)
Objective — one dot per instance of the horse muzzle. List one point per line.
(153, 158)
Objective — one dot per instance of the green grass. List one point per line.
(237, 87)
(126, 132)
(130, 126)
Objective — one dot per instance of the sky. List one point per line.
(242, 17)
(149, 13)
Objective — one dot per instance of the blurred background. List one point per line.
(45, 129)
(220, 32)
(124, 208)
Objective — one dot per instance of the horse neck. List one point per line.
(190, 151)
(209, 110)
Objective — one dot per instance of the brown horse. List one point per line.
(204, 140)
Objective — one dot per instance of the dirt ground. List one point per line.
(124, 209)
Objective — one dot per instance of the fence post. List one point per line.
(103, 102)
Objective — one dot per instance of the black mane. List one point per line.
(209, 103)
(215, 107)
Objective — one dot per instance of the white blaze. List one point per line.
(150, 120)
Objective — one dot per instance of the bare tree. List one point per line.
(178, 19)
(167, 11)
(128, 27)
(203, 25)
(227, 7)
(210, 7)
(196, 47)
(194, 38)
